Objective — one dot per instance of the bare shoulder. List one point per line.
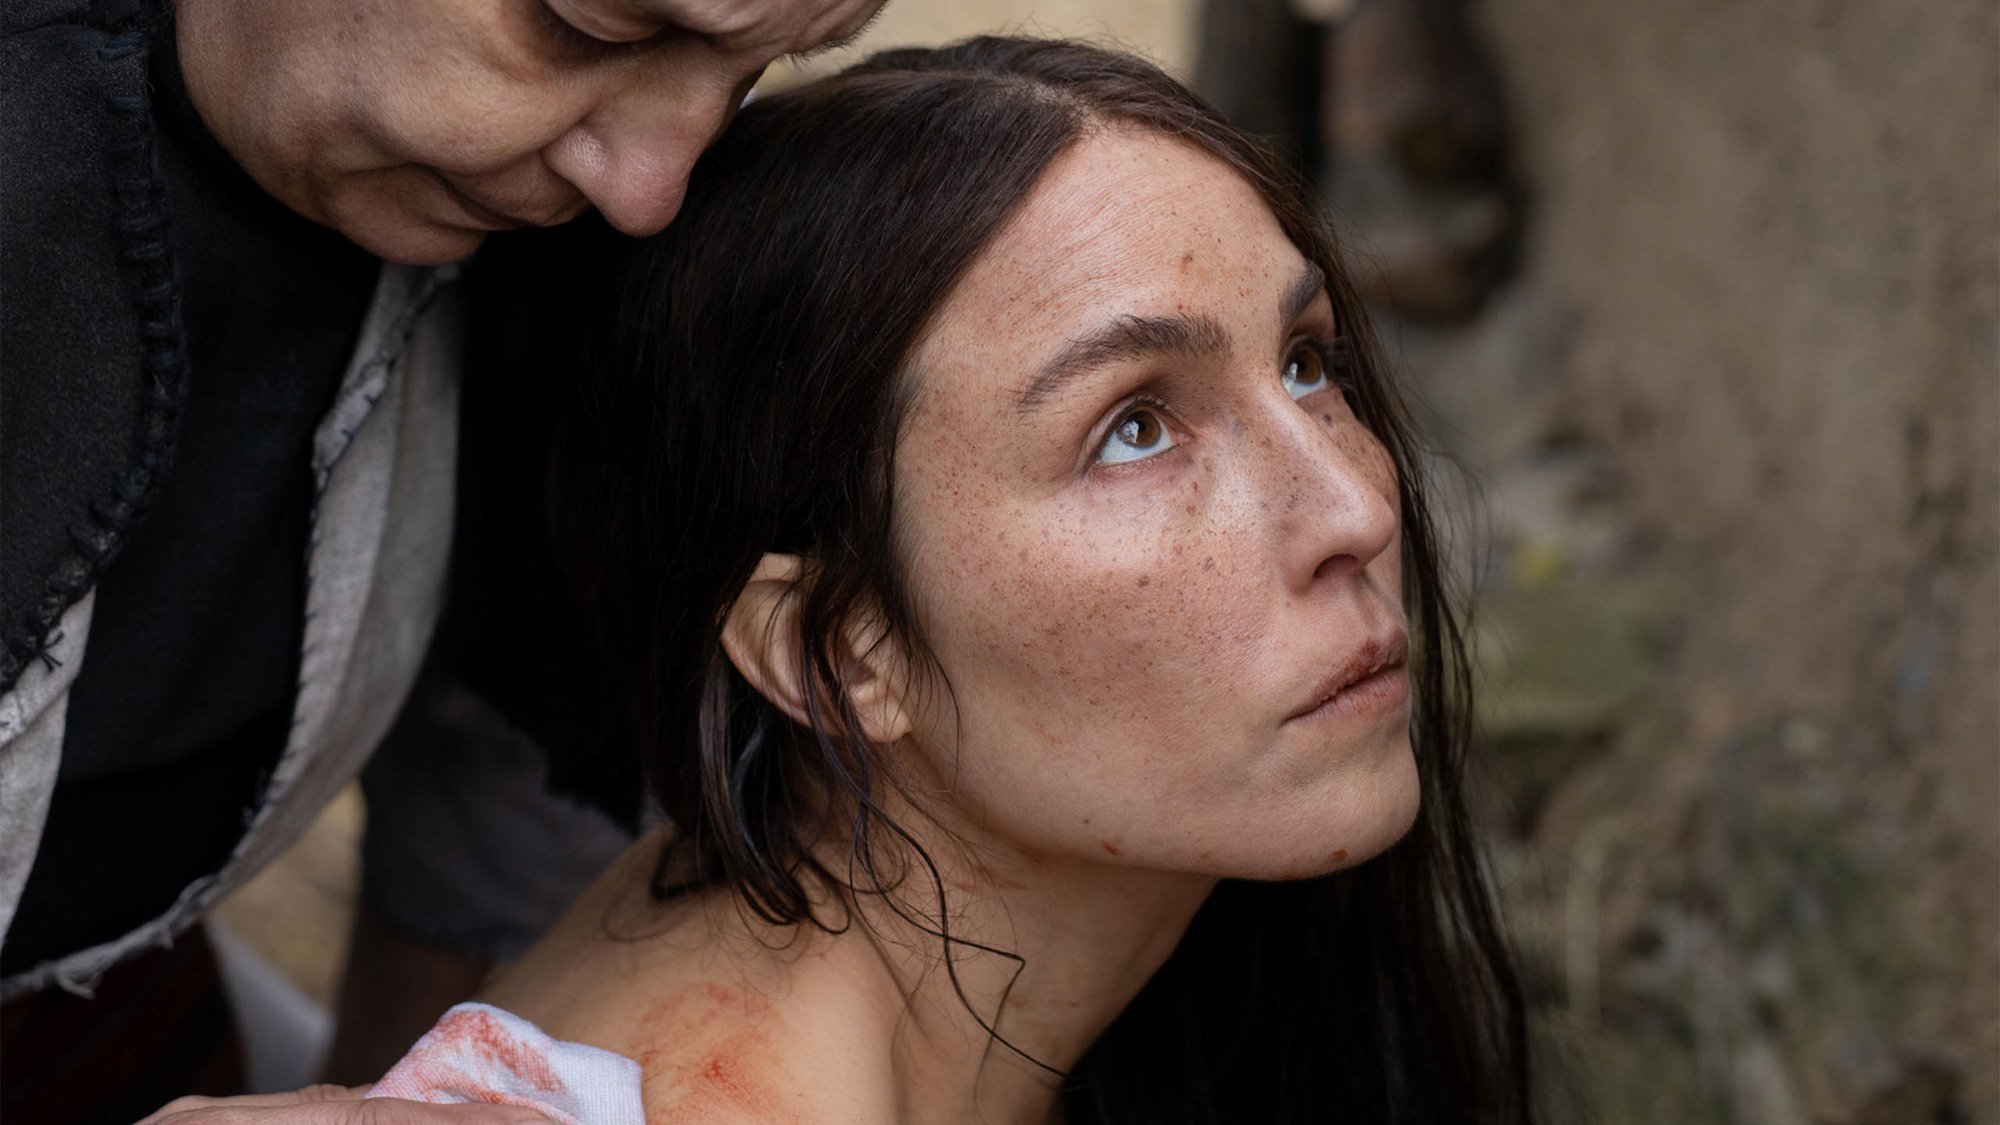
(726, 1026)
(708, 1049)
(723, 1052)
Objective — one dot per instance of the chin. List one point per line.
(410, 241)
(1338, 826)
(376, 214)
(431, 246)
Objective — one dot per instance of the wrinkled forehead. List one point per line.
(1126, 221)
(773, 27)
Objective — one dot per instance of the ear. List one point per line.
(878, 677)
(761, 637)
(761, 634)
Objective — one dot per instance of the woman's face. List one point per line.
(1154, 552)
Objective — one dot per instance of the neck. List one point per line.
(1045, 953)
(734, 1019)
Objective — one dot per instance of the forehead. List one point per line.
(781, 25)
(1125, 221)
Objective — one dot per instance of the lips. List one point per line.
(1371, 665)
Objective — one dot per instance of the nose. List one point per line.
(631, 154)
(1332, 486)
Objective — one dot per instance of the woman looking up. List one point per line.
(1034, 632)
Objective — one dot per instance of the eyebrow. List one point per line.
(1125, 338)
(1132, 337)
(1305, 289)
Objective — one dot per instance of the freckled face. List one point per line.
(416, 127)
(1154, 551)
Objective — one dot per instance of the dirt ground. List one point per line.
(1736, 425)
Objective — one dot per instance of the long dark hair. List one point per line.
(752, 403)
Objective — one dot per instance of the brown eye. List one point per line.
(1305, 372)
(1135, 437)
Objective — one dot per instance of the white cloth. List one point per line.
(480, 1053)
(32, 719)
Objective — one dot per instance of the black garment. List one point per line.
(92, 362)
(185, 695)
(538, 313)
(144, 280)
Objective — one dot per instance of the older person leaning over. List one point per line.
(230, 447)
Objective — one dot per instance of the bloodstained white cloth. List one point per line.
(480, 1053)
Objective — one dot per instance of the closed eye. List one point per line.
(575, 44)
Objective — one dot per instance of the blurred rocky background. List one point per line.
(1729, 399)
(1703, 297)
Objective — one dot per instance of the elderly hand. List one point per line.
(334, 1105)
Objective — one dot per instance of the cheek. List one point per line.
(1075, 633)
(469, 129)
(462, 95)
(1134, 624)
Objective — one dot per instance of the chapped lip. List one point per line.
(1373, 656)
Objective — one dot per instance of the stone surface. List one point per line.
(1753, 362)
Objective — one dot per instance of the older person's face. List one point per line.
(415, 127)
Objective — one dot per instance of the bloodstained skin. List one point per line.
(708, 1055)
(479, 1031)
